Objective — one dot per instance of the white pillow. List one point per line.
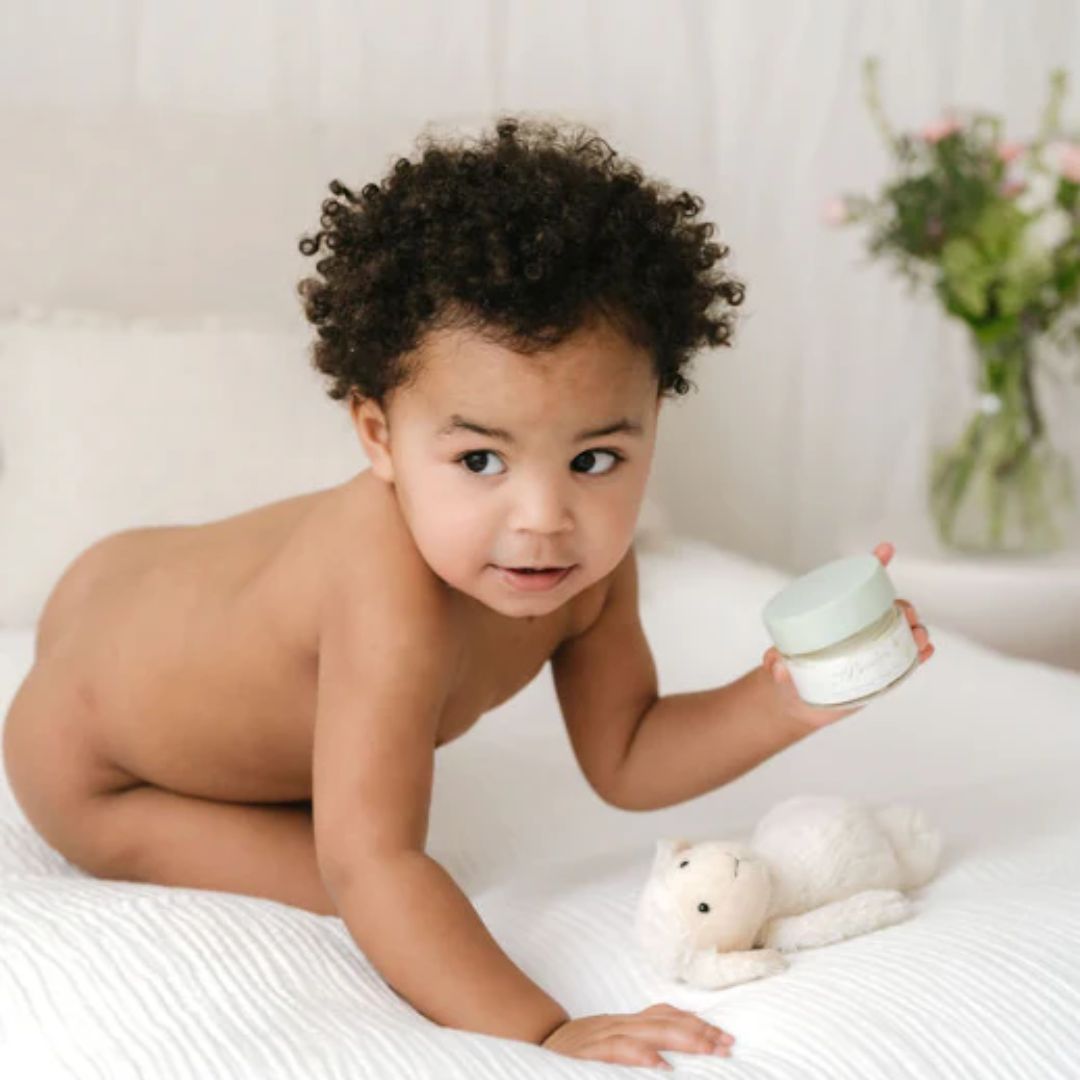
(107, 424)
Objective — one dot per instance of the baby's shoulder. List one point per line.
(386, 629)
(370, 559)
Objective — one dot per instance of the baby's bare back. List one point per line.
(195, 648)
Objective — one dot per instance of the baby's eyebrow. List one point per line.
(459, 423)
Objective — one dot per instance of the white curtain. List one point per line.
(162, 157)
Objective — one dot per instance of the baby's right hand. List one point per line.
(636, 1038)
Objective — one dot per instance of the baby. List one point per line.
(253, 704)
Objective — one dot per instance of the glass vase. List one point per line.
(999, 479)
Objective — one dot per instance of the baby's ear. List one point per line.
(370, 423)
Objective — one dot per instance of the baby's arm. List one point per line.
(643, 751)
(386, 665)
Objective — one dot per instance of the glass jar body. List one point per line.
(1003, 450)
(860, 667)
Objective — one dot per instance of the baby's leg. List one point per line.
(112, 825)
(257, 849)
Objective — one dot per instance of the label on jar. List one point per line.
(836, 680)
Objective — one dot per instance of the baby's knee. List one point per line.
(106, 841)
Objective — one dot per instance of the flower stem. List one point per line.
(1001, 486)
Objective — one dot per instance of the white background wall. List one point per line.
(163, 156)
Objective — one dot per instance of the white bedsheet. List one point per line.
(117, 980)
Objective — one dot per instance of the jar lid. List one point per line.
(828, 604)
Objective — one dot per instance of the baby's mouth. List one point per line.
(534, 577)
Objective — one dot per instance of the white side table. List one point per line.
(1027, 606)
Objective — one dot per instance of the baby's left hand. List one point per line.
(793, 706)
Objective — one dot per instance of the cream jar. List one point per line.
(841, 633)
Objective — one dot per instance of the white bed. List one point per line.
(117, 980)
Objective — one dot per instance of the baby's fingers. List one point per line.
(695, 1022)
(690, 1034)
(623, 1050)
(918, 630)
(772, 662)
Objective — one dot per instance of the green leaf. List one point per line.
(988, 333)
(1021, 282)
(998, 229)
(965, 277)
(1066, 193)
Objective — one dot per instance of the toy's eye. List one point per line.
(703, 907)
(683, 863)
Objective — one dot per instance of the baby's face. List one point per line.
(545, 494)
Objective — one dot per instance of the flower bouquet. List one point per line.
(993, 226)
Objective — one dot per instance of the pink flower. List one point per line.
(1013, 187)
(941, 129)
(1010, 150)
(834, 211)
(1069, 162)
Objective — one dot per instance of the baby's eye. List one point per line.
(473, 455)
(615, 459)
(474, 459)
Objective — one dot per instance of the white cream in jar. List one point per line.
(841, 633)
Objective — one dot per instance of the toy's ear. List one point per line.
(667, 849)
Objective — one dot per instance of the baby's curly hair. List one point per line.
(523, 237)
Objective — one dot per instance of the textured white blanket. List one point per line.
(118, 980)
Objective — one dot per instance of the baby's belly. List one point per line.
(188, 688)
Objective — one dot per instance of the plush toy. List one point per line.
(817, 869)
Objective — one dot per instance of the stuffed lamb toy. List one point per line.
(817, 869)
